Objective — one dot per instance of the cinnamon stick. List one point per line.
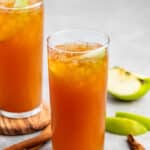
(43, 137)
(36, 147)
(134, 145)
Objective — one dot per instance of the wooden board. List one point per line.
(32, 124)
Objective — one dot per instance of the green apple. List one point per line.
(127, 86)
(21, 3)
(124, 126)
(99, 52)
(139, 118)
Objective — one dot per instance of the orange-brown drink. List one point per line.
(78, 77)
(21, 43)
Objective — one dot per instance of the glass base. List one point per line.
(20, 115)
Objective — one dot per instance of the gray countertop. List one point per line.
(128, 24)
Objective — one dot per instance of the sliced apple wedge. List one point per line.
(127, 86)
(21, 3)
(124, 126)
(139, 118)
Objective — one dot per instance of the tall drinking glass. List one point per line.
(21, 43)
(78, 63)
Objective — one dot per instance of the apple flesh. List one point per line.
(126, 86)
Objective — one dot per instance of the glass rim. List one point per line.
(35, 5)
(105, 45)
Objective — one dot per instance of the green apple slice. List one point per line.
(99, 52)
(125, 85)
(139, 118)
(124, 126)
(21, 3)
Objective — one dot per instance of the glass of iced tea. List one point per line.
(21, 43)
(78, 62)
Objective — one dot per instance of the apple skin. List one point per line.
(144, 89)
(124, 126)
(139, 118)
(147, 79)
